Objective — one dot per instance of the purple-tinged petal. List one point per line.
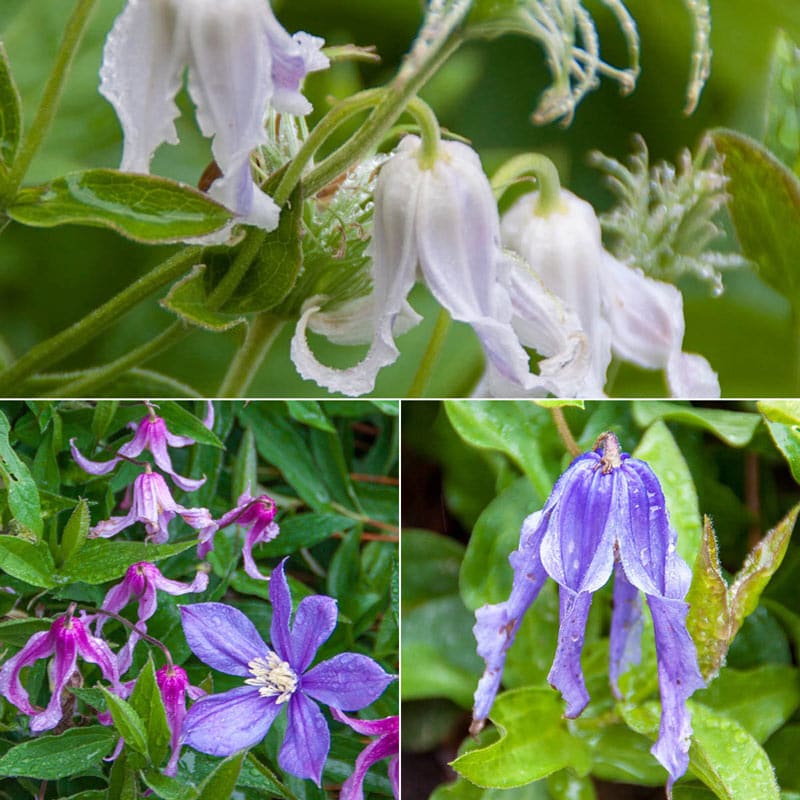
(394, 776)
(257, 534)
(625, 649)
(348, 681)
(566, 674)
(158, 447)
(117, 597)
(40, 645)
(369, 727)
(353, 787)
(60, 671)
(307, 741)
(678, 677)
(222, 637)
(172, 683)
(208, 419)
(497, 625)
(223, 724)
(140, 441)
(92, 467)
(176, 588)
(148, 602)
(95, 651)
(112, 526)
(238, 514)
(200, 519)
(281, 600)
(314, 622)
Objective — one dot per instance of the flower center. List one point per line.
(274, 678)
(612, 456)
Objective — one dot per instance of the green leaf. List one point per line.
(188, 298)
(305, 530)
(222, 781)
(29, 561)
(10, 113)
(658, 448)
(167, 788)
(76, 530)
(723, 755)
(16, 632)
(515, 428)
(104, 412)
(566, 785)
(274, 272)
(184, 423)
(145, 208)
(735, 428)
(782, 749)
(787, 440)
(309, 412)
(146, 702)
(23, 496)
(525, 752)
(99, 560)
(127, 722)
(765, 208)
(782, 134)
(245, 468)
(49, 757)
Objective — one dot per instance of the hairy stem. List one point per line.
(261, 335)
(431, 355)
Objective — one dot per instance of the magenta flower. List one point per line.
(275, 678)
(152, 504)
(386, 745)
(141, 581)
(67, 639)
(258, 513)
(173, 684)
(606, 513)
(151, 434)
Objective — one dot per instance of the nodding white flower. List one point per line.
(438, 222)
(240, 61)
(620, 309)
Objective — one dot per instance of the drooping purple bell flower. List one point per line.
(152, 504)
(141, 581)
(68, 638)
(173, 683)
(387, 745)
(276, 677)
(606, 512)
(257, 513)
(151, 434)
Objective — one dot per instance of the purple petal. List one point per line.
(158, 447)
(314, 622)
(566, 674)
(95, 651)
(222, 637)
(117, 597)
(148, 602)
(140, 441)
(678, 678)
(250, 566)
(353, 787)
(497, 625)
(369, 727)
(348, 681)
(113, 525)
(40, 645)
(60, 671)
(625, 648)
(92, 467)
(281, 611)
(222, 724)
(199, 584)
(307, 741)
(394, 776)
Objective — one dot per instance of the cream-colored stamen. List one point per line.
(274, 678)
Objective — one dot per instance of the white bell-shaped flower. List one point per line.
(438, 222)
(240, 61)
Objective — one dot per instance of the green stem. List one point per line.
(62, 344)
(261, 335)
(429, 129)
(224, 290)
(53, 90)
(88, 383)
(546, 177)
(271, 776)
(431, 355)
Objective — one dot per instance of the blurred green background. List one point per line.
(487, 91)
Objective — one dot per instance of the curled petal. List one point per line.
(60, 671)
(96, 651)
(293, 57)
(222, 637)
(40, 645)
(307, 741)
(369, 727)
(566, 674)
(87, 465)
(690, 375)
(353, 787)
(223, 724)
(625, 648)
(257, 534)
(349, 681)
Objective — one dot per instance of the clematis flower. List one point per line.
(276, 677)
(141, 581)
(441, 222)
(606, 513)
(173, 683)
(256, 512)
(68, 638)
(639, 318)
(151, 434)
(153, 506)
(385, 746)
(241, 61)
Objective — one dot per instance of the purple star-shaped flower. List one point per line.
(259, 514)
(606, 512)
(276, 678)
(141, 581)
(385, 746)
(151, 434)
(67, 639)
(152, 504)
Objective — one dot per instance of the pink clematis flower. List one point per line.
(173, 683)
(67, 639)
(151, 434)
